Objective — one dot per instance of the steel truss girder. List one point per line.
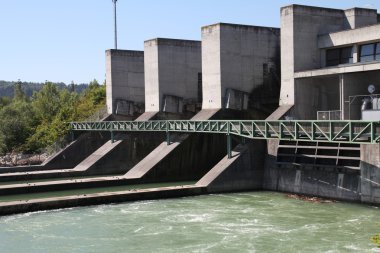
(299, 130)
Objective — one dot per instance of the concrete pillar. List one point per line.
(238, 60)
(172, 68)
(341, 96)
(355, 53)
(124, 78)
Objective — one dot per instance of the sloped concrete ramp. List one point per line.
(243, 171)
(163, 150)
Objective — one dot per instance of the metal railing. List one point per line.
(298, 130)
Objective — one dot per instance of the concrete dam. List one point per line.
(291, 109)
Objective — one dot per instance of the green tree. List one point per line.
(46, 102)
(54, 108)
(19, 94)
(4, 101)
(91, 100)
(17, 124)
(33, 124)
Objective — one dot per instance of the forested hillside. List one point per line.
(7, 88)
(31, 123)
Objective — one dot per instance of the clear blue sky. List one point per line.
(65, 40)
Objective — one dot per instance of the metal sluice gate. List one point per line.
(359, 132)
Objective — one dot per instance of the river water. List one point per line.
(239, 222)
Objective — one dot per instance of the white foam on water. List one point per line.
(257, 222)
(138, 230)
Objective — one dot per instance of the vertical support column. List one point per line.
(112, 137)
(341, 97)
(355, 54)
(229, 149)
(72, 135)
(167, 137)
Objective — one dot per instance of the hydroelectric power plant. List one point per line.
(248, 108)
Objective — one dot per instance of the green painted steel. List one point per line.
(300, 130)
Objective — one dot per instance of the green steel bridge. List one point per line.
(360, 132)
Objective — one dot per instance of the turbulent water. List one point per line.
(243, 222)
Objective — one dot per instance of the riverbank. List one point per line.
(17, 159)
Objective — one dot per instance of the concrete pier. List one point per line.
(172, 74)
(125, 82)
(241, 67)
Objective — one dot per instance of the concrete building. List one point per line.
(240, 63)
(329, 70)
(125, 82)
(172, 74)
(329, 57)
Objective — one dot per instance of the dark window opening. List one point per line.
(338, 56)
(346, 55)
(370, 52)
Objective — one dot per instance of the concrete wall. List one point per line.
(238, 57)
(370, 173)
(171, 68)
(322, 182)
(313, 95)
(124, 77)
(196, 155)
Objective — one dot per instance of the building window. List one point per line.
(370, 52)
(338, 56)
(346, 55)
